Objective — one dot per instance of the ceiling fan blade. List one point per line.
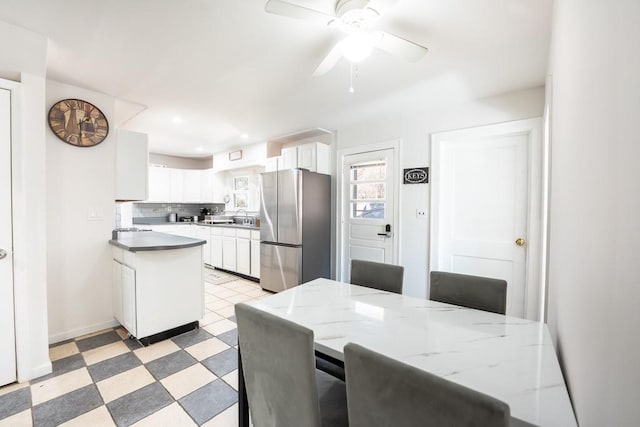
(400, 47)
(328, 62)
(283, 8)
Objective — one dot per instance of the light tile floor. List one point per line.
(106, 379)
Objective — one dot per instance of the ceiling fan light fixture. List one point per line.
(357, 46)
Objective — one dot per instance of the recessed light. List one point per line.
(244, 136)
(199, 149)
(177, 119)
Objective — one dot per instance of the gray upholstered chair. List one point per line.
(385, 392)
(283, 387)
(377, 275)
(387, 277)
(476, 292)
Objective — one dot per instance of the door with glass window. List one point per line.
(368, 208)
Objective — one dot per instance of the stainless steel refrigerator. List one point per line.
(295, 228)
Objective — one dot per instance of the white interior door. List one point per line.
(482, 207)
(368, 204)
(7, 330)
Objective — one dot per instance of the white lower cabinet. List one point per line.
(216, 247)
(129, 300)
(203, 233)
(255, 258)
(243, 255)
(155, 291)
(229, 253)
(116, 291)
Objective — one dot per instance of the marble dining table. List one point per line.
(509, 358)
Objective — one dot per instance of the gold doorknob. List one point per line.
(520, 241)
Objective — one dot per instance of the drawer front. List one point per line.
(243, 234)
(129, 259)
(216, 231)
(118, 254)
(229, 232)
(255, 234)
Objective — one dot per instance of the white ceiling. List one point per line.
(226, 67)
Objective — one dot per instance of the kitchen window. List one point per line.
(241, 192)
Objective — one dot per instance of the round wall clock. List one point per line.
(78, 122)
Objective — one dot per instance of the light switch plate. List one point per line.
(95, 214)
(421, 213)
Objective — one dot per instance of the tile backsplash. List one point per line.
(147, 210)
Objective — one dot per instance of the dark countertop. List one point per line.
(247, 227)
(153, 241)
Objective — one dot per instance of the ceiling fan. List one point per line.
(355, 18)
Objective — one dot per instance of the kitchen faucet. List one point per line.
(246, 215)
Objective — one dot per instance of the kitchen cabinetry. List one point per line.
(128, 296)
(157, 290)
(132, 158)
(177, 185)
(232, 249)
(314, 156)
(255, 254)
(169, 185)
(191, 186)
(216, 247)
(229, 253)
(289, 158)
(271, 164)
(159, 184)
(243, 252)
(203, 233)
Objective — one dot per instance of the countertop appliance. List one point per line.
(295, 228)
(172, 217)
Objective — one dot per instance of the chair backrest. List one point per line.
(279, 369)
(481, 293)
(385, 392)
(387, 277)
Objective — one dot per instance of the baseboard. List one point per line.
(73, 333)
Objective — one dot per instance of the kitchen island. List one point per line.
(158, 284)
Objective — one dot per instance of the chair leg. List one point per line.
(243, 402)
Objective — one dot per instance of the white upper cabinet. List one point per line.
(191, 185)
(314, 156)
(177, 185)
(206, 186)
(183, 185)
(271, 164)
(132, 158)
(289, 158)
(159, 184)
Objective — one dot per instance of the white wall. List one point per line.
(594, 285)
(23, 58)
(415, 131)
(78, 255)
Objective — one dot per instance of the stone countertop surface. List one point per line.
(505, 357)
(246, 227)
(153, 241)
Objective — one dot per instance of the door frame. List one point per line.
(12, 87)
(535, 233)
(341, 211)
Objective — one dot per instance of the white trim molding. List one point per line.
(396, 146)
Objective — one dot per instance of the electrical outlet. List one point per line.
(421, 213)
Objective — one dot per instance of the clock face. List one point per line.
(78, 123)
